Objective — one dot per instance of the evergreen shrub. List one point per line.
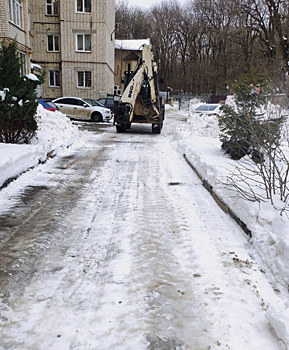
(17, 98)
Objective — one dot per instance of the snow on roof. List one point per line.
(131, 44)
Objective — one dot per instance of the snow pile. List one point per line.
(203, 125)
(55, 132)
(280, 323)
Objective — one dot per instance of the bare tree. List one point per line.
(164, 23)
(204, 44)
(133, 22)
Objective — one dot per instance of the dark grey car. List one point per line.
(108, 102)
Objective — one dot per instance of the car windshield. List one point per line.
(93, 102)
(206, 107)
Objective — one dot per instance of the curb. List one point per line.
(226, 209)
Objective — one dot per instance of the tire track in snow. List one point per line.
(67, 232)
(165, 281)
(36, 227)
(75, 282)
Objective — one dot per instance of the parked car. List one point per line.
(78, 108)
(48, 104)
(208, 108)
(108, 102)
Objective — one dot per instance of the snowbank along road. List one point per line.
(117, 245)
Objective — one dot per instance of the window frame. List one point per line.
(80, 6)
(55, 43)
(85, 79)
(56, 78)
(83, 42)
(53, 6)
(22, 61)
(15, 12)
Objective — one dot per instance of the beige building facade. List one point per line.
(73, 41)
(15, 25)
(127, 53)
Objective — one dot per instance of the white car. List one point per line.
(208, 108)
(79, 108)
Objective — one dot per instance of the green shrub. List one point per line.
(17, 99)
(243, 129)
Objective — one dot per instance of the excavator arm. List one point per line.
(140, 102)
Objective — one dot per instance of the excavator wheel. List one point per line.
(120, 128)
(156, 129)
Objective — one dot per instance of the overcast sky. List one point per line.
(148, 3)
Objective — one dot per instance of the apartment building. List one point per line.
(15, 25)
(73, 41)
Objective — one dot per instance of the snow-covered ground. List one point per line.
(198, 140)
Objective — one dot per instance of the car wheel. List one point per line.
(96, 117)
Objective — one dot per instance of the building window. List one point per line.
(52, 7)
(83, 42)
(52, 43)
(84, 79)
(22, 60)
(15, 12)
(83, 5)
(54, 78)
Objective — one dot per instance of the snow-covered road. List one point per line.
(118, 246)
